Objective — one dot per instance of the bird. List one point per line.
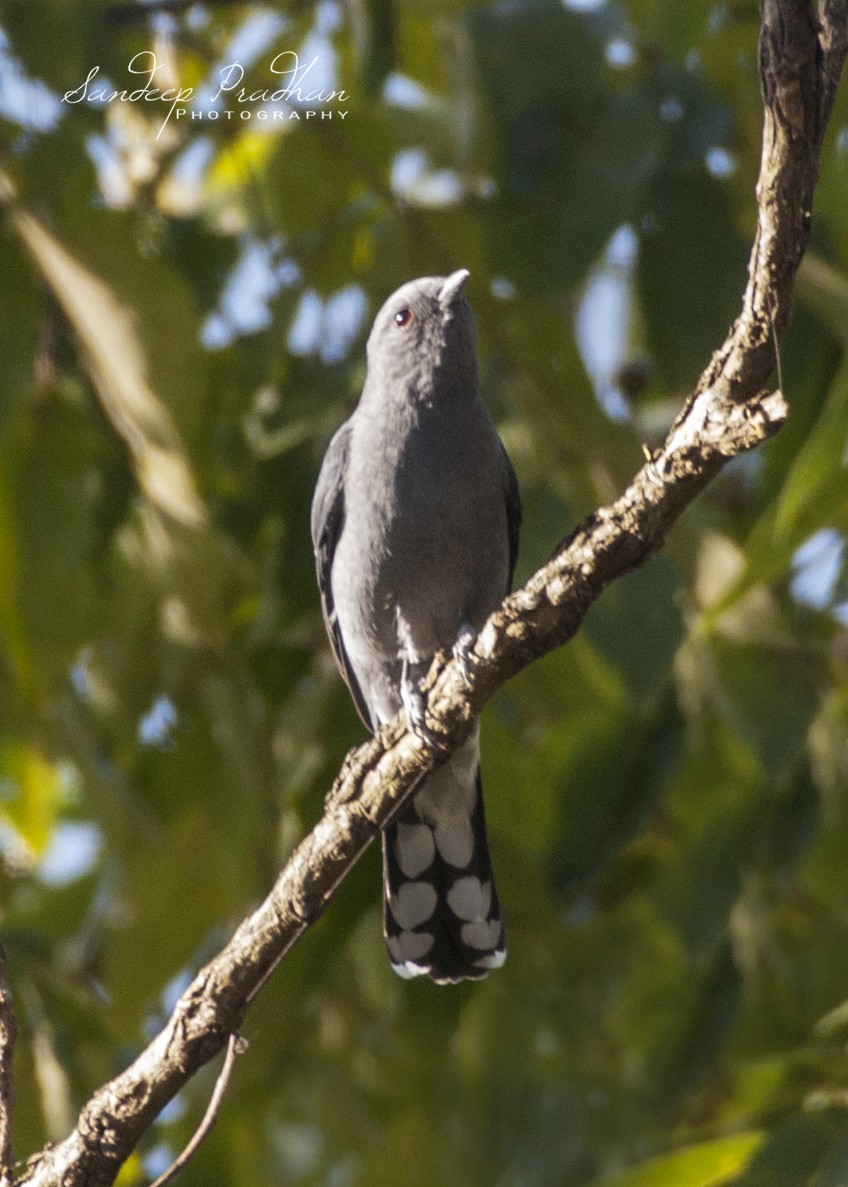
(415, 521)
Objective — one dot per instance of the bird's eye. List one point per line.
(403, 317)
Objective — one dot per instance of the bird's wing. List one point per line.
(327, 521)
(512, 496)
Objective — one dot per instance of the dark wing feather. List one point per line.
(513, 513)
(327, 523)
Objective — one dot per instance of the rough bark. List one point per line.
(802, 51)
(8, 1034)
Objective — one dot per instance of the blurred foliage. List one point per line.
(183, 306)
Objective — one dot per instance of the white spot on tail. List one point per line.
(470, 899)
(455, 842)
(414, 903)
(492, 960)
(409, 946)
(414, 847)
(481, 934)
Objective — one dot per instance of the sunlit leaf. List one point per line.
(31, 794)
(131, 1173)
(118, 370)
(707, 1164)
(52, 1079)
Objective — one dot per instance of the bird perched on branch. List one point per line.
(415, 524)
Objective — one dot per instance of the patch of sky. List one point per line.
(720, 162)
(816, 569)
(197, 17)
(255, 279)
(412, 180)
(287, 273)
(399, 90)
(620, 53)
(316, 69)
(257, 31)
(329, 17)
(584, 5)
(603, 317)
(181, 192)
(191, 164)
(173, 1111)
(720, 16)
(79, 674)
(157, 725)
(25, 101)
(168, 998)
(328, 328)
(502, 288)
(305, 330)
(407, 167)
(174, 990)
(671, 109)
(116, 189)
(158, 1160)
(72, 853)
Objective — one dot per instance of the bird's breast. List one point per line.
(425, 542)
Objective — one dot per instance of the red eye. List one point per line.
(403, 317)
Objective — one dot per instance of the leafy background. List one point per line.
(183, 320)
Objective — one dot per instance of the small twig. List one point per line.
(776, 340)
(8, 1034)
(236, 1046)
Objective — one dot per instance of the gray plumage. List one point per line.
(415, 528)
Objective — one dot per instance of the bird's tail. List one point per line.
(441, 915)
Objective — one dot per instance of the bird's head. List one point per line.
(423, 343)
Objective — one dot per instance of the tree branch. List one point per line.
(801, 59)
(8, 1034)
(235, 1047)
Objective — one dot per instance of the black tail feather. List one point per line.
(441, 915)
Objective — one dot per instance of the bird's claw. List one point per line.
(414, 702)
(463, 651)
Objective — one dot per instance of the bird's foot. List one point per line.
(463, 651)
(414, 703)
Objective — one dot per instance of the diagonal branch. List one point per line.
(802, 52)
(8, 1034)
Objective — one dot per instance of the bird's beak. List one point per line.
(452, 287)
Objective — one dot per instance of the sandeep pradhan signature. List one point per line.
(285, 65)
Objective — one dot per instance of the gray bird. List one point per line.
(415, 524)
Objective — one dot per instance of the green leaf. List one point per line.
(707, 1164)
(31, 791)
(12, 624)
(768, 697)
(637, 627)
(119, 372)
(573, 156)
(690, 271)
(814, 495)
(792, 1154)
(824, 289)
